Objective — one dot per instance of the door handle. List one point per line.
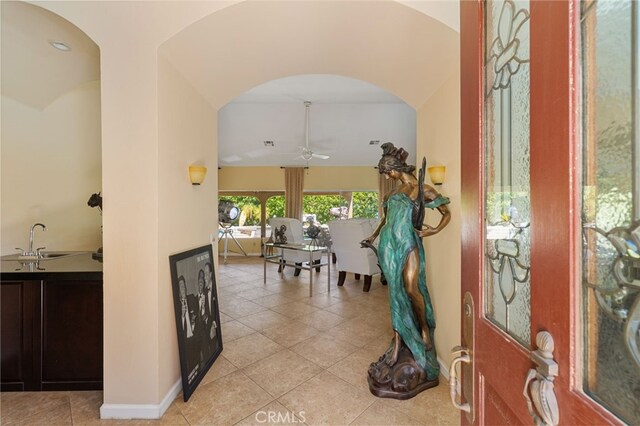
(464, 355)
(538, 386)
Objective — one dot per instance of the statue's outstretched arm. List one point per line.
(431, 194)
(372, 238)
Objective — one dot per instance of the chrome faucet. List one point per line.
(33, 227)
(30, 254)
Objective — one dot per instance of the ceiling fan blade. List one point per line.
(320, 156)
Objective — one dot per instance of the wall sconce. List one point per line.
(436, 173)
(197, 174)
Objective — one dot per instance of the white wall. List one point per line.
(439, 141)
(51, 164)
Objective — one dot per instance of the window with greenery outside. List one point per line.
(249, 209)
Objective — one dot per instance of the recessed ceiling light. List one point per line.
(60, 45)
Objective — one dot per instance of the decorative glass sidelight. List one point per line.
(611, 205)
(507, 195)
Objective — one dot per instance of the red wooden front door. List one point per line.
(523, 180)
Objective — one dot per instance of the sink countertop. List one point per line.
(75, 266)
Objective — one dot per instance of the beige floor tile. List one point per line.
(379, 414)
(281, 372)
(348, 292)
(326, 399)
(378, 319)
(322, 300)
(355, 332)
(382, 343)
(324, 350)
(322, 320)
(273, 300)
(242, 287)
(225, 401)
(224, 318)
(241, 308)
(255, 293)
(85, 407)
(428, 407)
(173, 416)
(354, 367)
(28, 408)
(233, 330)
(273, 413)
(349, 309)
(298, 293)
(295, 309)
(291, 333)
(249, 349)
(220, 368)
(263, 320)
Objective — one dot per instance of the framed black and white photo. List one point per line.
(195, 300)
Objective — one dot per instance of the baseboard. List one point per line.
(141, 411)
(444, 369)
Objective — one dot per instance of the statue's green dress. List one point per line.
(397, 239)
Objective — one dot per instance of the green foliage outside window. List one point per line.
(320, 206)
(365, 204)
(275, 206)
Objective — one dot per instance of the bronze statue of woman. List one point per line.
(410, 364)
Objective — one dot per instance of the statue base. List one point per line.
(403, 380)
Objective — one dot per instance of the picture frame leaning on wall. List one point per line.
(197, 313)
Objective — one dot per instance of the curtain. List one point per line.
(385, 186)
(293, 186)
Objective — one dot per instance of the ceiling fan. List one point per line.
(306, 151)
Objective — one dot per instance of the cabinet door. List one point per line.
(19, 322)
(72, 335)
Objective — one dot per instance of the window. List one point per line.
(365, 204)
(247, 225)
(320, 206)
(275, 206)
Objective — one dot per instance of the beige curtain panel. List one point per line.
(385, 186)
(293, 186)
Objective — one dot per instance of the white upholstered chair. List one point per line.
(346, 236)
(294, 235)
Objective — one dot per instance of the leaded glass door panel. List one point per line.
(522, 218)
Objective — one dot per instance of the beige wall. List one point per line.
(439, 140)
(316, 178)
(51, 164)
(192, 210)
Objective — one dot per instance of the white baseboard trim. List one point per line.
(444, 369)
(141, 411)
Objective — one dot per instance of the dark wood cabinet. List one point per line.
(18, 325)
(51, 335)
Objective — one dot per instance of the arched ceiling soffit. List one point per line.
(393, 46)
(33, 72)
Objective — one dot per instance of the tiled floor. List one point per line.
(288, 359)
